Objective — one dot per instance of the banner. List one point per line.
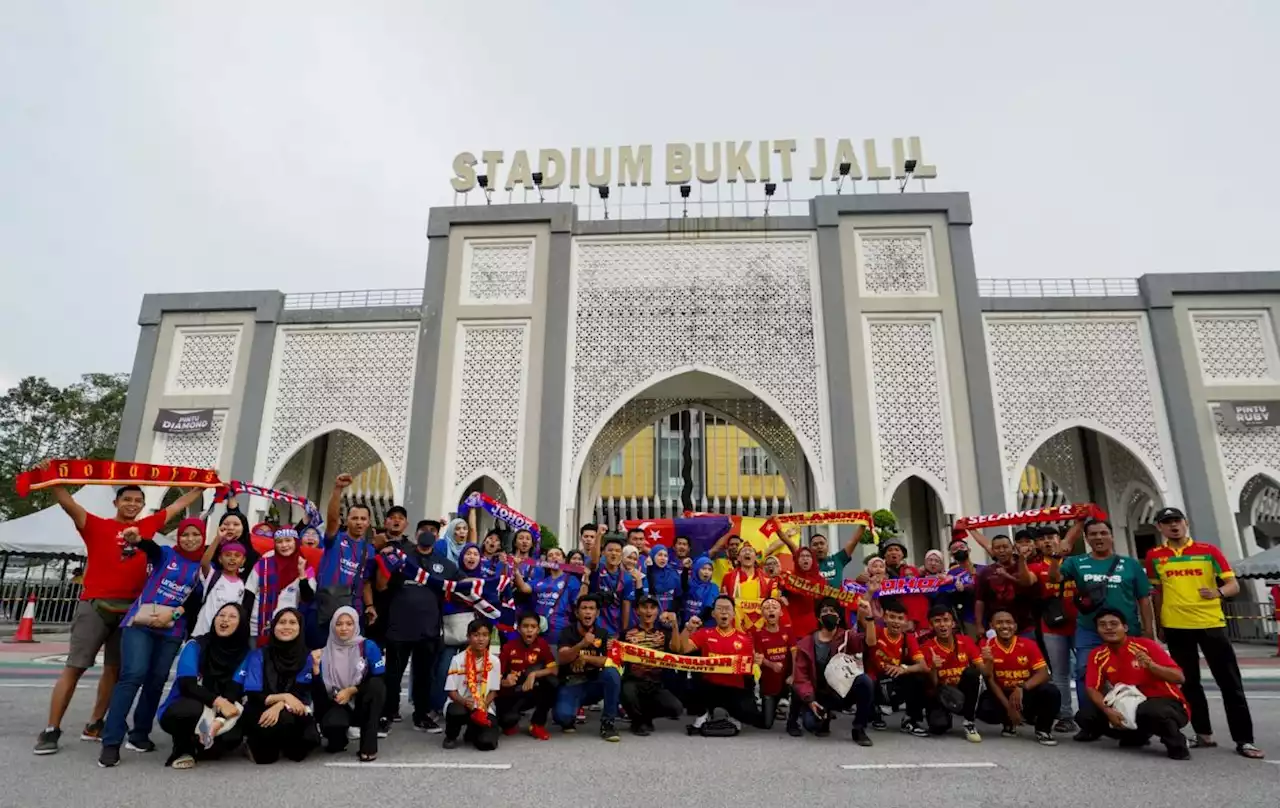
(111, 472)
(502, 512)
(800, 520)
(172, 422)
(567, 568)
(1060, 513)
(237, 487)
(622, 652)
(818, 591)
(893, 587)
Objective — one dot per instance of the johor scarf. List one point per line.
(893, 587)
(502, 512)
(236, 487)
(477, 593)
(110, 472)
(1061, 513)
(622, 652)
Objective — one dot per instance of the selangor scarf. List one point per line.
(110, 472)
(1061, 513)
(799, 520)
(817, 590)
(622, 652)
(342, 663)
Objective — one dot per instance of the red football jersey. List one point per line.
(1015, 663)
(711, 642)
(1120, 667)
(950, 663)
(892, 652)
(775, 646)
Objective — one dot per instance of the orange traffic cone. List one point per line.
(27, 625)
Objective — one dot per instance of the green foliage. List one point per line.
(39, 421)
(886, 526)
(549, 539)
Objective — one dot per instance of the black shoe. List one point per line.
(794, 730)
(608, 733)
(110, 757)
(1178, 753)
(879, 723)
(397, 718)
(1086, 736)
(427, 725)
(1064, 726)
(145, 745)
(640, 728)
(1134, 742)
(384, 727)
(93, 730)
(450, 743)
(861, 738)
(47, 742)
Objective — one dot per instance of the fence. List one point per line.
(1250, 621)
(1057, 287)
(360, 298)
(614, 510)
(54, 581)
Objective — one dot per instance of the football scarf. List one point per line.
(622, 652)
(112, 472)
(503, 513)
(1060, 513)
(795, 521)
(237, 487)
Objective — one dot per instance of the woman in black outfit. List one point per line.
(277, 684)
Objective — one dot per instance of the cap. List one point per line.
(893, 542)
(643, 599)
(394, 509)
(1168, 515)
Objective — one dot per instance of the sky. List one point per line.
(171, 147)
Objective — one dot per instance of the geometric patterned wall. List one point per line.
(203, 361)
(489, 404)
(1234, 347)
(1245, 450)
(497, 271)
(894, 263)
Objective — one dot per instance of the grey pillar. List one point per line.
(135, 403)
(840, 390)
(555, 367)
(417, 474)
(244, 455)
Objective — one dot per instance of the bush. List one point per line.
(886, 527)
(549, 539)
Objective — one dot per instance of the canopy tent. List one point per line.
(1263, 565)
(50, 531)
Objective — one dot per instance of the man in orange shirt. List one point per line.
(1018, 689)
(1141, 663)
(1190, 579)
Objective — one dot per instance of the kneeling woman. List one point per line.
(277, 684)
(348, 685)
(203, 707)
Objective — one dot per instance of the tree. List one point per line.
(39, 420)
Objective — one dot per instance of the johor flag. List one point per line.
(701, 531)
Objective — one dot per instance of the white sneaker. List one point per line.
(353, 733)
(971, 733)
(700, 720)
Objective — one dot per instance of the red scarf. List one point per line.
(1061, 513)
(110, 472)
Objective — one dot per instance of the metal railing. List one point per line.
(1250, 621)
(1057, 287)
(54, 582)
(357, 299)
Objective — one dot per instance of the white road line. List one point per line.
(380, 765)
(883, 766)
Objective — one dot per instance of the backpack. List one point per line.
(714, 728)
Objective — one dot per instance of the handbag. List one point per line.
(1089, 598)
(1125, 699)
(455, 627)
(152, 615)
(842, 669)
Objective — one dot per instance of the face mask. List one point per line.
(961, 555)
(426, 540)
(830, 622)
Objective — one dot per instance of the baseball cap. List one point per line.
(1168, 515)
(893, 542)
(643, 599)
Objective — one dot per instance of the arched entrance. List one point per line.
(1258, 514)
(311, 469)
(922, 518)
(1083, 464)
(694, 441)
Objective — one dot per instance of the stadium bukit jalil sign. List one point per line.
(683, 163)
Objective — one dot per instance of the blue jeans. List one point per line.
(1086, 640)
(145, 659)
(1058, 648)
(441, 673)
(608, 685)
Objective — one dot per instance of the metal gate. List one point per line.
(55, 581)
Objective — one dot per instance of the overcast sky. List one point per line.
(183, 146)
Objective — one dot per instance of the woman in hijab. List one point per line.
(801, 607)
(150, 635)
(203, 707)
(456, 535)
(348, 687)
(277, 684)
(664, 580)
(492, 561)
(702, 594)
(280, 580)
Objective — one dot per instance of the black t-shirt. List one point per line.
(821, 654)
(576, 672)
(414, 610)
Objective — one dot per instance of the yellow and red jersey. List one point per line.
(1119, 666)
(1015, 663)
(950, 662)
(1180, 575)
(905, 650)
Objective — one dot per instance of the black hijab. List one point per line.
(220, 657)
(282, 661)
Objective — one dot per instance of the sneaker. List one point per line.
(608, 733)
(450, 743)
(1086, 736)
(353, 733)
(1064, 726)
(1178, 753)
(539, 732)
(110, 757)
(144, 746)
(794, 730)
(912, 728)
(639, 728)
(47, 741)
(513, 730)
(971, 733)
(1045, 739)
(570, 730)
(427, 725)
(1008, 731)
(384, 727)
(581, 718)
(861, 738)
(93, 730)
(879, 723)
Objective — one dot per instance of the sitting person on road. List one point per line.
(203, 707)
(644, 692)
(1140, 663)
(956, 663)
(586, 675)
(528, 679)
(1018, 688)
(733, 692)
(774, 646)
(474, 681)
(348, 687)
(816, 703)
(899, 669)
(277, 683)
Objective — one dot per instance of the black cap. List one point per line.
(643, 599)
(397, 509)
(1169, 515)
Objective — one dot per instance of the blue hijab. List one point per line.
(702, 594)
(447, 547)
(664, 582)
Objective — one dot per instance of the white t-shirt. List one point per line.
(224, 590)
(458, 677)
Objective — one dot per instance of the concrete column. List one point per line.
(418, 473)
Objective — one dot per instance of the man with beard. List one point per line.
(818, 702)
(1006, 585)
(643, 695)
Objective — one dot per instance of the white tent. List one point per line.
(51, 531)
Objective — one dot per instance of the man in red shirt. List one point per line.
(955, 663)
(728, 690)
(1006, 585)
(774, 644)
(528, 671)
(897, 663)
(1018, 689)
(113, 579)
(1058, 641)
(1142, 663)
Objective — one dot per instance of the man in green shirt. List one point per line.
(832, 566)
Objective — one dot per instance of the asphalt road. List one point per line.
(756, 768)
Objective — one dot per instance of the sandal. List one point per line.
(1199, 743)
(189, 762)
(1250, 751)
(368, 757)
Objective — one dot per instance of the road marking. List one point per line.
(883, 766)
(48, 685)
(380, 765)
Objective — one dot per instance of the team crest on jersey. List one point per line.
(737, 645)
(533, 656)
(173, 565)
(963, 657)
(1022, 660)
(437, 568)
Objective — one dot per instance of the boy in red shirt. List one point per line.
(774, 645)
(955, 663)
(1142, 663)
(528, 679)
(1018, 689)
(898, 666)
(727, 690)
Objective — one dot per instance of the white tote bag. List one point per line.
(842, 669)
(1125, 700)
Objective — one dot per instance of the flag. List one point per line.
(701, 531)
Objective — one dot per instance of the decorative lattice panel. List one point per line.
(204, 361)
(499, 271)
(349, 454)
(645, 308)
(490, 405)
(908, 400)
(895, 264)
(1244, 448)
(362, 377)
(202, 450)
(1233, 348)
(1061, 459)
(1040, 369)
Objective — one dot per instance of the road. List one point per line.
(754, 769)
